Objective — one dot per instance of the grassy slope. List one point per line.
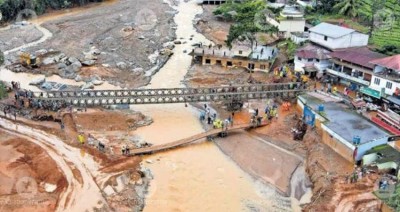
(389, 36)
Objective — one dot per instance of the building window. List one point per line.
(219, 62)
(377, 81)
(325, 38)
(229, 63)
(262, 66)
(299, 58)
(389, 85)
(240, 52)
(310, 60)
(208, 61)
(317, 60)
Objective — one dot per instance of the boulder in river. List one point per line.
(121, 65)
(97, 82)
(167, 52)
(68, 72)
(88, 85)
(48, 61)
(38, 81)
(137, 70)
(41, 52)
(169, 45)
(88, 62)
(61, 65)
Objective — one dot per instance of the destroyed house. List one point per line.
(258, 58)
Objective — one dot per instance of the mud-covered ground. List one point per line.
(29, 179)
(14, 36)
(203, 76)
(128, 35)
(212, 28)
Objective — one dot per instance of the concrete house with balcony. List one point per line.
(312, 59)
(290, 20)
(336, 37)
(258, 58)
(386, 75)
(351, 66)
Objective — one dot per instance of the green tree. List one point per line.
(3, 90)
(348, 7)
(325, 6)
(249, 18)
(1, 58)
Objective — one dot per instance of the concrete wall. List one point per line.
(237, 62)
(292, 25)
(298, 40)
(363, 148)
(354, 39)
(338, 144)
(382, 84)
(321, 65)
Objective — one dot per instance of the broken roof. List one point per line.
(392, 62)
(360, 56)
(257, 53)
(312, 51)
(330, 30)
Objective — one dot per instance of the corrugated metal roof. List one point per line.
(360, 56)
(392, 62)
(331, 30)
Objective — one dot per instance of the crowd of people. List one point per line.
(211, 119)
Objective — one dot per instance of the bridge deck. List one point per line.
(175, 144)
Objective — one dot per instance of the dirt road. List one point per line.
(81, 184)
(46, 35)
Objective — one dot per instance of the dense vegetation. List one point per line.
(1, 58)
(11, 8)
(3, 90)
(248, 17)
(394, 200)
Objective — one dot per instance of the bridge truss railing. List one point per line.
(184, 98)
(165, 92)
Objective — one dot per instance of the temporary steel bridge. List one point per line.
(189, 140)
(171, 95)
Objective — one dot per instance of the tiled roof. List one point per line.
(360, 56)
(392, 62)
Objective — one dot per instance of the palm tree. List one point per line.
(348, 7)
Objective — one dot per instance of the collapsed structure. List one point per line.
(258, 58)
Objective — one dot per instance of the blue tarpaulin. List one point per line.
(309, 116)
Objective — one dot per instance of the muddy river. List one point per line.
(199, 177)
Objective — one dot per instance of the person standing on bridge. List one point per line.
(226, 124)
(202, 116)
(230, 119)
(208, 120)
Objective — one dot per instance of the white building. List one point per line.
(337, 37)
(291, 19)
(386, 77)
(352, 68)
(312, 58)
